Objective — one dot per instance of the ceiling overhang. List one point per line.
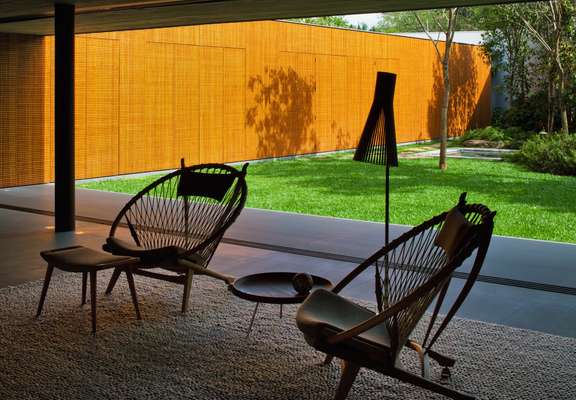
(37, 16)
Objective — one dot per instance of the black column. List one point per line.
(64, 202)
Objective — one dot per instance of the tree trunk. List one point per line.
(444, 111)
(445, 61)
(562, 103)
(550, 113)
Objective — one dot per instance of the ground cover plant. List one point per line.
(510, 137)
(554, 153)
(529, 204)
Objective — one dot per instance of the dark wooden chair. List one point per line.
(177, 222)
(410, 273)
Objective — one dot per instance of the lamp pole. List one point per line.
(387, 207)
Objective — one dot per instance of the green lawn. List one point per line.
(529, 204)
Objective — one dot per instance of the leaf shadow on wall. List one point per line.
(283, 113)
(464, 108)
(343, 140)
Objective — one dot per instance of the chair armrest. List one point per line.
(394, 309)
(202, 270)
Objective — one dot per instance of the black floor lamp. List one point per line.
(378, 141)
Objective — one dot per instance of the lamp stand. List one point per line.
(387, 207)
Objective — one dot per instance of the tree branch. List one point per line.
(435, 42)
(536, 34)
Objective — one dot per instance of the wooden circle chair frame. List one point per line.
(411, 271)
(177, 222)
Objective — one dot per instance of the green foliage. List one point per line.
(529, 204)
(529, 114)
(469, 19)
(507, 46)
(517, 136)
(534, 44)
(491, 133)
(554, 153)
(512, 137)
(570, 97)
(405, 21)
(334, 21)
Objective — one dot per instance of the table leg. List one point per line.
(281, 311)
(84, 285)
(93, 299)
(252, 320)
(132, 287)
(44, 289)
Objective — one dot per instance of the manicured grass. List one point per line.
(529, 204)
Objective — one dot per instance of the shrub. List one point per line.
(554, 153)
(517, 136)
(491, 133)
(512, 137)
(530, 114)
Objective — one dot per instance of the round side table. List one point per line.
(272, 288)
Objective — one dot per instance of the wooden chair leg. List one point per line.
(422, 356)
(132, 287)
(349, 372)
(113, 280)
(187, 290)
(441, 359)
(328, 359)
(424, 383)
(93, 299)
(84, 284)
(44, 289)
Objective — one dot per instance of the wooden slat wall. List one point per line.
(234, 105)
(80, 106)
(102, 112)
(21, 110)
(222, 93)
(48, 113)
(136, 145)
(186, 103)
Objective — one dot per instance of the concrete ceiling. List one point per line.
(37, 16)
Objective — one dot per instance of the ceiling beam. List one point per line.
(117, 15)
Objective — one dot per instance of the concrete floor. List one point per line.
(525, 283)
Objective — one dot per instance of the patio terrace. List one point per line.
(524, 283)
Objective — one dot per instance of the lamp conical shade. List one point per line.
(378, 141)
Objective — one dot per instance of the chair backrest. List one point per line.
(426, 256)
(190, 208)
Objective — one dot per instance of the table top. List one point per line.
(273, 287)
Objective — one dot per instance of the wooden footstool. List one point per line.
(87, 261)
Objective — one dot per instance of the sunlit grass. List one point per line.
(528, 204)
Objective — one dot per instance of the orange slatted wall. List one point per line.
(222, 93)
(23, 153)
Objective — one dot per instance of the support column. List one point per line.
(64, 179)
